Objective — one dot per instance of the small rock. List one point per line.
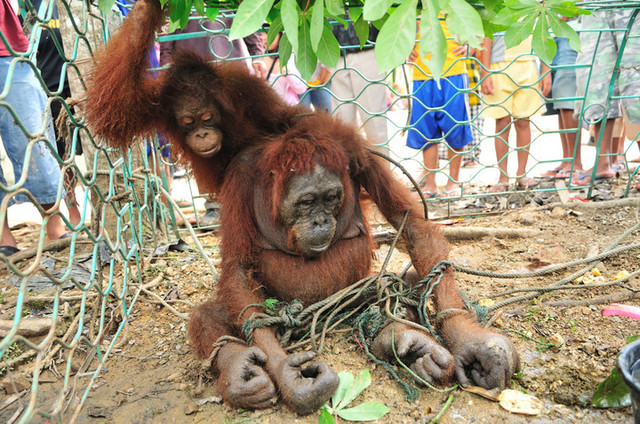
(174, 376)
(586, 311)
(191, 409)
(15, 383)
(558, 212)
(527, 219)
(557, 341)
(183, 386)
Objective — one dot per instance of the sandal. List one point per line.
(526, 183)
(8, 250)
(499, 188)
(430, 194)
(551, 174)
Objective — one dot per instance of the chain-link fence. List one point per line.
(83, 220)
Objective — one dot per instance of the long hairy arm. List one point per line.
(122, 99)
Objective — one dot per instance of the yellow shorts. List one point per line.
(515, 91)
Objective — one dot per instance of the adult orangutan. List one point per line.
(292, 228)
(207, 111)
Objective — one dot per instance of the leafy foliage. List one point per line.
(307, 33)
(349, 389)
(612, 392)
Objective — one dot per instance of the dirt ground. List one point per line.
(153, 378)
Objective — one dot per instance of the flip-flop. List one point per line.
(526, 183)
(499, 188)
(582, 176)
(551, 174)
(430, 194)
(420, 186)
(8, 250)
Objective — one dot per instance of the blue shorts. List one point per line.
(564, 79)
(27, 99)
(440, 113)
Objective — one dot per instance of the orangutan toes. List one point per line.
(305, 386)
(243, 381)
(421, 352)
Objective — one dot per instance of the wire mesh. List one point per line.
(67, 295)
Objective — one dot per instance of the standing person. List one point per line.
(218, 47)
(28, 101)
(602, 35)
(509, 79)
(359, 88)
(288, 85)
(440, 113)
(50, 64)
(563, 89)
(318, 94)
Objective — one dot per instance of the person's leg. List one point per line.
(423, 129)
(430, 158)
(503, 126)
(343, 96)
(603, 166)
(569, 123)
(321, 98)
(41, 174)
(455, 160)
(453, 123)
(523, 142)
(370, 92)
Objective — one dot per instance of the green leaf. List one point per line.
(211, 13)
(506, 17)
(522, 4)
(305, 58)
(355, 13)
(367, 411)
(432, 40)
(173, 26)
(362, 31)
(464, 22)
(543, 45)
(335, 7)
(199, 5)
(249, 17)
(184, 20)
(326, 417)
(519, 31)
(340, 19)
(317, 23)
(328, 48)
(289, 13)
(566, 8)
(106, 5)
(397, 36)
(346, 381)
(630, 339)
(284, 51)
(274, 30)
(362, 382)
(612, 392)
(375, 9)
(561, 29)
(490, 5)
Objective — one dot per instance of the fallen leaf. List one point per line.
(520, 403)
(493, 394)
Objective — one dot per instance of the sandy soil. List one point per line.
(151, 377)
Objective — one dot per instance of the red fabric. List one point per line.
(12, 30)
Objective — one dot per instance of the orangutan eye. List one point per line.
(187, 120)
(206, 116)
